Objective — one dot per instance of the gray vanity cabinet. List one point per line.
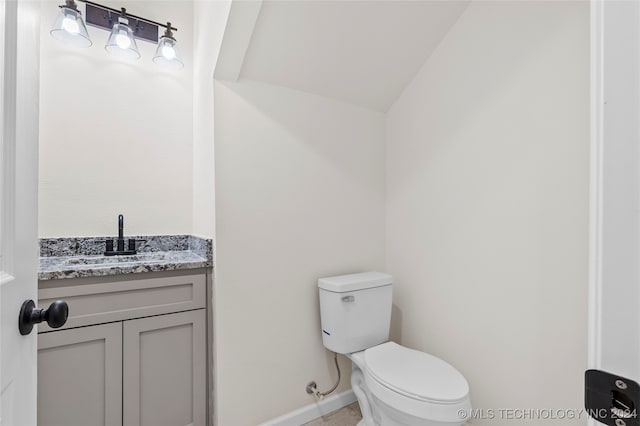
(146, 367)
(164, 370)
(80, 376)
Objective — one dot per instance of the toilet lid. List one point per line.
(415, 374)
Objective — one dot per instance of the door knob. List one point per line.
(55, 315)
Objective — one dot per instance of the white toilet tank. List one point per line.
(355, 311)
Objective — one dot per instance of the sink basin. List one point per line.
(111, 260)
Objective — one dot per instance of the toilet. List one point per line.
(394, 385)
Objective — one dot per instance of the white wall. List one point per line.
(299, 195)
(115, 136)
(209, 21)
(487, 204)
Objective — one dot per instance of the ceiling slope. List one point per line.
(361, 52)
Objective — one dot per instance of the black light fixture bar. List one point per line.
(104, 17)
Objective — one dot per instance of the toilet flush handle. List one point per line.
(349, 299)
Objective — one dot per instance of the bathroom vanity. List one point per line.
(133, 350)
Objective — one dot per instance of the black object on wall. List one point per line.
(610, 399)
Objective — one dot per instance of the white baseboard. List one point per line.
(313, 411)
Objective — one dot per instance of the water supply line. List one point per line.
(312, 387)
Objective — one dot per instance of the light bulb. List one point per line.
(168, 52)
(122, 40)
(70, 25)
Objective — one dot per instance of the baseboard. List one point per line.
(313, 411)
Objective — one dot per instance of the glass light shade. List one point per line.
(167, 55)
(121, 42)
(69, 28)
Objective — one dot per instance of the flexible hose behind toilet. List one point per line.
(312, 387)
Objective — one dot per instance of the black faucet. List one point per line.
(120, 232)
(131, 249)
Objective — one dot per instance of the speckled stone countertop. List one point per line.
(62, 258)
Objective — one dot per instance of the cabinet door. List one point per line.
(165, 370)
(80, 376)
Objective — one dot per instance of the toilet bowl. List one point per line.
(402, 386)
(394, 385)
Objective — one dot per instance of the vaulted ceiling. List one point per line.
(361, 52)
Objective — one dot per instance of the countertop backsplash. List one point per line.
(95, 246)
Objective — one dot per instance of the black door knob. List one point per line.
(55, 315)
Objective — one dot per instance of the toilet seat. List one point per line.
(415, 374)
(415, 382)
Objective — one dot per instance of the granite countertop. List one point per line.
(62, 258)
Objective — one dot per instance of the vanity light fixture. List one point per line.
(167, 55)
(124, 28)
(69, 26)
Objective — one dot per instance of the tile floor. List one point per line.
(347, 416)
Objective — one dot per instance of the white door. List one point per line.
(614, 326)
(19, 82)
